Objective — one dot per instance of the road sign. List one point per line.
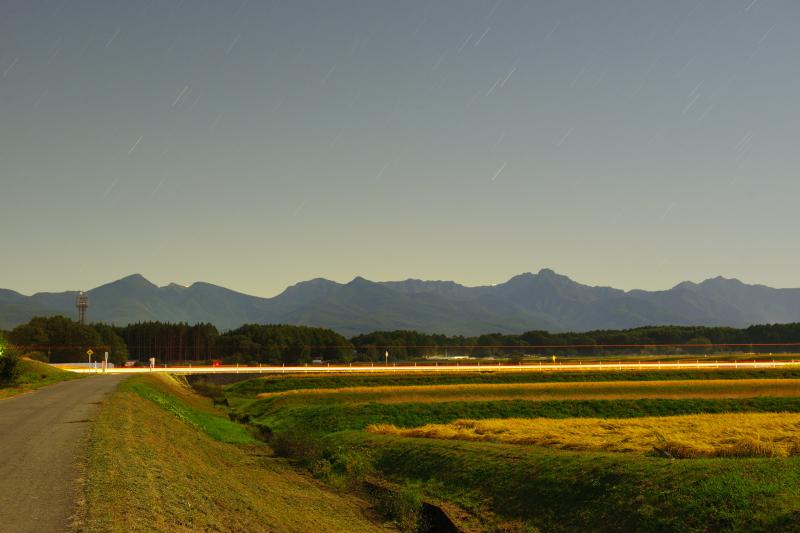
(89, 352)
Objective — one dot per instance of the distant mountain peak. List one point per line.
(720, 280)
(544, 300)
(358, 280)
(545, 275)
(316, 282)
(134, 277)
(134, 280)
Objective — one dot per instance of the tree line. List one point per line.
(248, 344)
(644, 340)
(59, 339)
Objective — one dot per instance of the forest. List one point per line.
(58, 339)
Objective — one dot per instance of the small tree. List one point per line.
(9, 369)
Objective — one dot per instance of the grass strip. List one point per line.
(34, 375)
(252, 387)
(332, 418)
(154, 466)
(157, 390)
(587, 390)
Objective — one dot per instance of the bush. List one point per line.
(9, 359)
(297, 445)
(349, 467)
(404, 507)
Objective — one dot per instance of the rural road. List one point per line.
(41, 435)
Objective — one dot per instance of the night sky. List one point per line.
(256, 144)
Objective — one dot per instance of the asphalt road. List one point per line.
(41, 439)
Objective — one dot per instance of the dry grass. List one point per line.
(717, 435)
(586, 390)
(147, 470)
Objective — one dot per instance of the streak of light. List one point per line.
(6, 71)
(113, 37)
(180, 95)
(135, 144)
(564, 138)
(233, 43)
(589, 366)
(466, 41)
(764, 38)
(499, 171)
(508, 77)
(482, 36)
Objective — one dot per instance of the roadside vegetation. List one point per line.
(162, 458)
(521, 452)
(30, 375)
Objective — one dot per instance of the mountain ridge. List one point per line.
(545, 300)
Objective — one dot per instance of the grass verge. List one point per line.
(161, 459)
(34, 375)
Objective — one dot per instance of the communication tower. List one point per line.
(82, 302)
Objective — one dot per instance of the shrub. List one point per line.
(403, 506)
(297, 445)
(9, 359)
(350, 466)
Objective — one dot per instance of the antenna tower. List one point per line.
(82, 302)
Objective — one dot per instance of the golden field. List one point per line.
(706, 435)
(587, 390)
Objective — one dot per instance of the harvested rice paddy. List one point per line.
(705, 435)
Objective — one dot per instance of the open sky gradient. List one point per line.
(252, 144)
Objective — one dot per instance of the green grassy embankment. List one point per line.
(34, 375)
(161, 458)
(578, 491)
(513, 487)
(340, 417)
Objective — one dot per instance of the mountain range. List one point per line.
(545, 300)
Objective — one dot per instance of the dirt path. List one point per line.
(40, 440)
